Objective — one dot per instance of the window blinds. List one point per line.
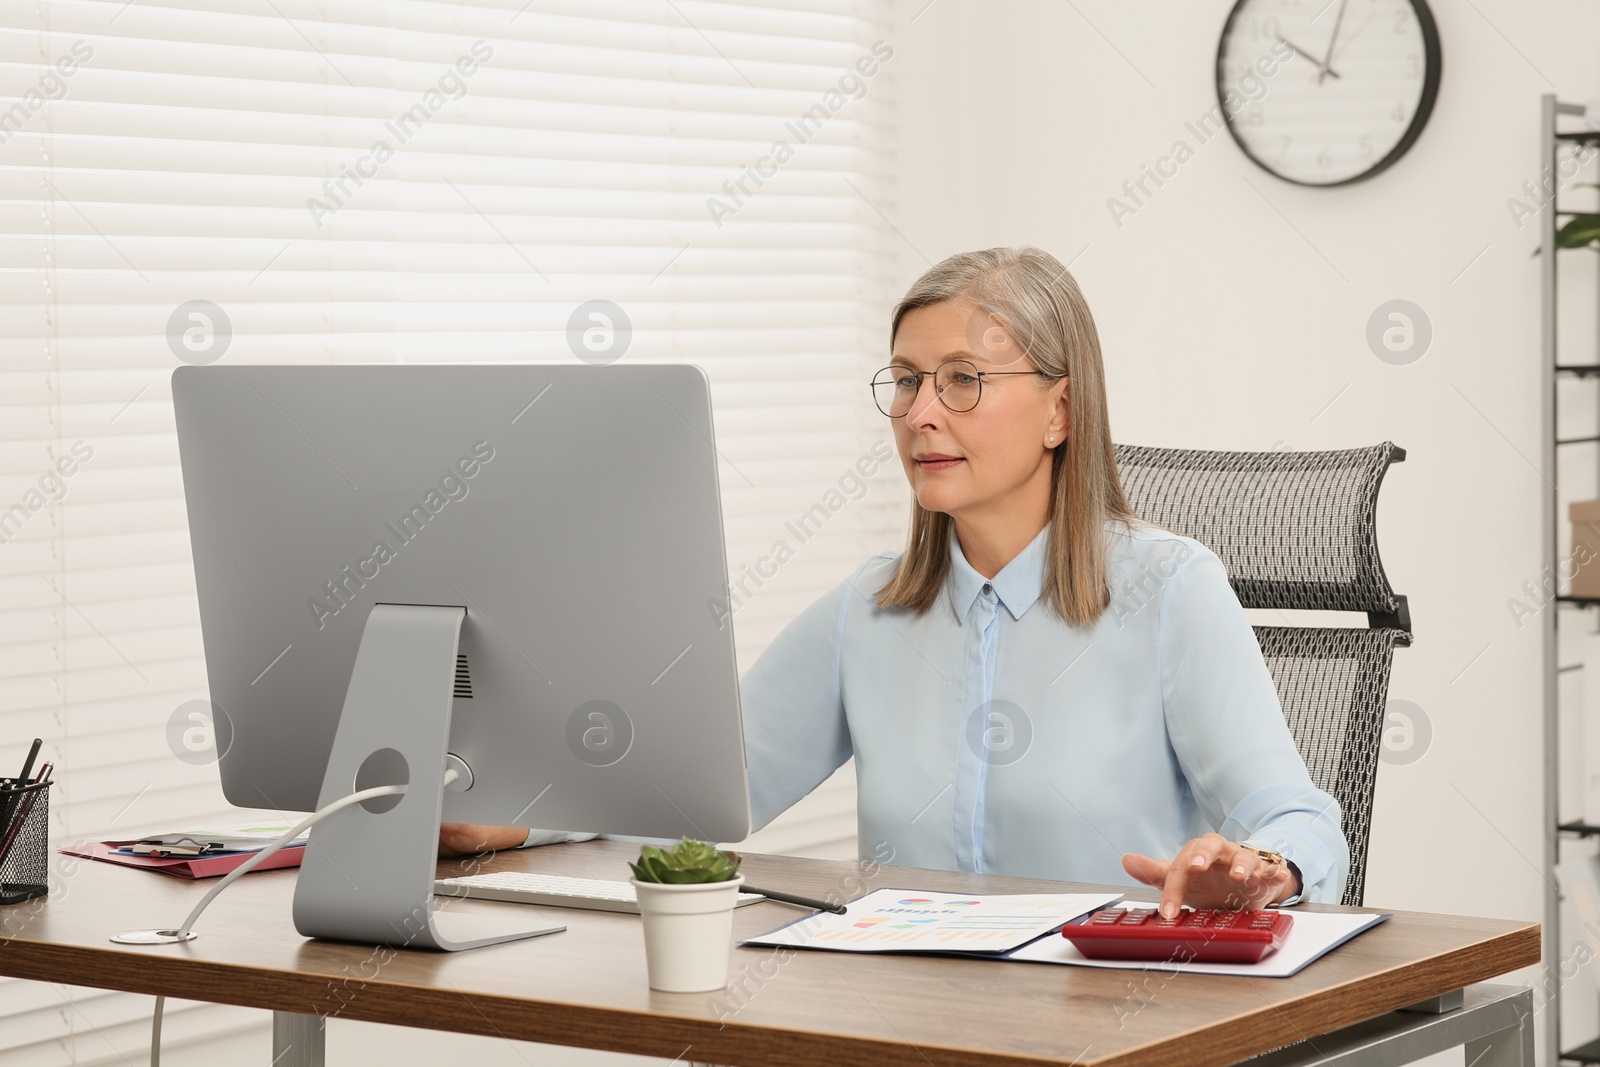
(304, 181)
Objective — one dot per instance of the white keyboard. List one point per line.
(552, 891)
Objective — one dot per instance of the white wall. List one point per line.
(1232, 309)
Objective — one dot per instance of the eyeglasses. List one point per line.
(958, 383)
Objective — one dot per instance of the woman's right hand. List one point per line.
(465, 839)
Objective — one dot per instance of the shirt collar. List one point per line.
(1018, 584)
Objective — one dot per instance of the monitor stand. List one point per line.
(368, 870)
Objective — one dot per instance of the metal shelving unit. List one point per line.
(1552, 140)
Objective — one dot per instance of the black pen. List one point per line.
(27, 766)
(794, 898)
(11, 806)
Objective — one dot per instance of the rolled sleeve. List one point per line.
(1227, 728)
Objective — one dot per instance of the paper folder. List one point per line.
(183, 866)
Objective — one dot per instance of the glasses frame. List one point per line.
(920, 374)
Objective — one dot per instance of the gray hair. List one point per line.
(1030, 293)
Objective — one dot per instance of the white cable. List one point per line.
(155, 1034)
(257, 860)
(310, 820)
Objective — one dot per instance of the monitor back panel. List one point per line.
(573, 511)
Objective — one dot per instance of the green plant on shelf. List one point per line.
(688, 863)
(1582, 230)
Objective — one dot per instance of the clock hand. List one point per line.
(1337, 19)
(1301, 51)
(1335, 55)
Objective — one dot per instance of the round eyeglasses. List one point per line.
(958, 383)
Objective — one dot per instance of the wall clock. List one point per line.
(1351, 84)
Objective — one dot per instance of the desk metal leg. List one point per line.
(301, 1040)
(1511, 1047)
(1494, 1024)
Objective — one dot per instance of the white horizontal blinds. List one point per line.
(98, 637)
(495, 216)
(365, 180)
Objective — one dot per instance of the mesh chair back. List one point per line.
(1298, 530)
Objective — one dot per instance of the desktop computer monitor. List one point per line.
(512, 570)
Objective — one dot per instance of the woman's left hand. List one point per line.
(462, 839)
(1213, 872)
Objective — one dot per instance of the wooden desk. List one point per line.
(586, 986)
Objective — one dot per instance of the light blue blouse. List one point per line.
(991, 736)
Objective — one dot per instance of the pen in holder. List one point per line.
(24, 840)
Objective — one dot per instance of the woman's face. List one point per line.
(1000, 447)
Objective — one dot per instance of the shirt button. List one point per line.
(988, 590)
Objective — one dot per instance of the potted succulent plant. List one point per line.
(686, 899)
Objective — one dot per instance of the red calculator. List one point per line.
(1206, 935)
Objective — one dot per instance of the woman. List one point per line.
(1041, 684)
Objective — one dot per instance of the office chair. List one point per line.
(1297, 530)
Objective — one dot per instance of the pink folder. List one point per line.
(183, 866)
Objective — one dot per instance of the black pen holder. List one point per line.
(24, 840)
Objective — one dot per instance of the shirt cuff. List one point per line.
(1321, 876)
(1294, 869)
(553, 837)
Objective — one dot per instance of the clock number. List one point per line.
(1267, 27)
(1414, 65)
(1283, 153)
(1400, 20)
(1367, 151)
(1324, 160)
(1399, 113)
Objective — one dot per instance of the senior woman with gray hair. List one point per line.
(1041, 683)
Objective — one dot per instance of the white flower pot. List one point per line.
(688, 930)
